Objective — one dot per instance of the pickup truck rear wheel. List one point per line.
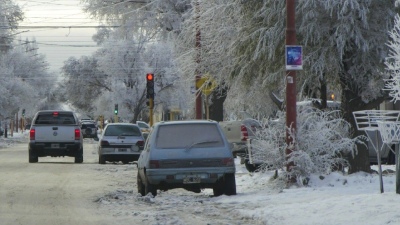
(251, 167)
(33, 158)
(79, 156)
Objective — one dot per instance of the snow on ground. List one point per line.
(335, 199)
(20, 137)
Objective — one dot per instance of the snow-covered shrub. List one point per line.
(322, 143)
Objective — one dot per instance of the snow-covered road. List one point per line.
(57, 191)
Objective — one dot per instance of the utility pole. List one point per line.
(290, 81)
(198, 60)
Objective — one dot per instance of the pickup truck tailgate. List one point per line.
(55, 133)
(232, 130)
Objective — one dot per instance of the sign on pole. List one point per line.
(294, 57)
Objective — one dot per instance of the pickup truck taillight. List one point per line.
(77, 134)
(32, 134)
(245, 133)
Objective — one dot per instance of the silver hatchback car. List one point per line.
(120, 142)
(186, 154)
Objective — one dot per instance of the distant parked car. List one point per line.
(186, 154)
(144, 127)
(120, 142)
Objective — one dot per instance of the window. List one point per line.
(57, 119)
(122, 130)
(186, 135)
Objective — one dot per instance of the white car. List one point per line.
(120, 142)
(144, 127)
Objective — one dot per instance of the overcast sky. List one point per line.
(58, 44)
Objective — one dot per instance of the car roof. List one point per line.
(186, 122)
(130, 124)
(60, 111)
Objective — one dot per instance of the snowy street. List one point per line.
(58, 191)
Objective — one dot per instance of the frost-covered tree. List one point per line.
(25, 81)
(393, 62)
(163, 16)
(10, 16)
(138, 46)
(323, 144)
(344, 47)
(83, 82)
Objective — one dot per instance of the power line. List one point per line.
(73, 26)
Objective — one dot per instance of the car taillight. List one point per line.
(228, 161)
(32, 134)
(154, 164)
(245, 134)
(104, 143)
(77, 134)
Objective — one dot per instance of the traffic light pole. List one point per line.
(290, 84)
(151, 107)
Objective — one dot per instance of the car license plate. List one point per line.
(55, 145)
(191, 180)
(122, 149)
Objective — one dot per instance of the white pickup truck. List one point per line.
(55, 134)
(238, 133)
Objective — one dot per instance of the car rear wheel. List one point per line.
(140, 185)
(218, 188)
(225, 185)
(33, 158)
(150, 188)
(102, 160)
(230, 184)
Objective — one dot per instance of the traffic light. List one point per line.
(150, 85)
(116, 109)
(23, 112)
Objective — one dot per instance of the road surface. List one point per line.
(56, 191)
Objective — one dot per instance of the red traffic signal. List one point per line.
(150, 77)
(150, 85)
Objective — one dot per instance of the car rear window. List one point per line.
(88, 125)
(55, 118)
(124, 130)
(142, 125)
(188, 135)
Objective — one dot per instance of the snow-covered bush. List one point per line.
(322, 143)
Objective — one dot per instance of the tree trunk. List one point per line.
(324, 94)
(217, 108)
(352, 102)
